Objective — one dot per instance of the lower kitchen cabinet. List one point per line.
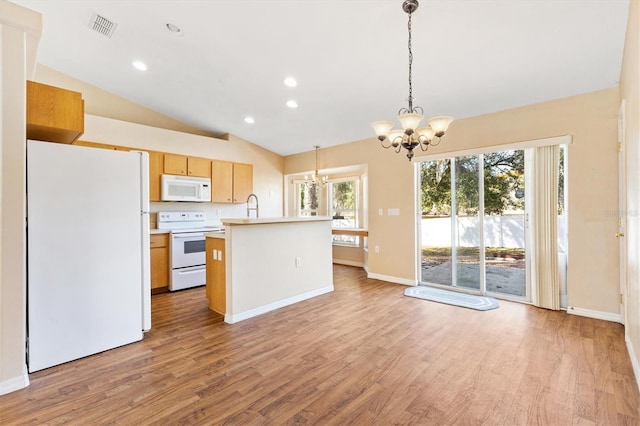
(216, 275)
(159, 245)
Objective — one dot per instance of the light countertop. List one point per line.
(265, 220)
(220, 235)
(159, 231)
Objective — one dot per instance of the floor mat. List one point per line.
(480, 303)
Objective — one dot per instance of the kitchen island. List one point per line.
(258, 265)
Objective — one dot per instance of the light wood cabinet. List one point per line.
(200, 167)
(156, 168)
(159, 247)
(216, 288)
(230, 182)
(242, 182)
(221, 181)
(54, 114)
(175, 164)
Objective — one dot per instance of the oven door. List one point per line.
(187, 249)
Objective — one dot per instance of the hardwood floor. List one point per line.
(364, 354)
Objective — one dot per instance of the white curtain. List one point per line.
(544, 263)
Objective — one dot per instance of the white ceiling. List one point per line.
(349, 56)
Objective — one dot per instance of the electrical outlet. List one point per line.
(376, 249)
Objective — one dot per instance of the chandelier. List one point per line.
(315, 180)
(411, 136)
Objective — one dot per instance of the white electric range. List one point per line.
(187, 246)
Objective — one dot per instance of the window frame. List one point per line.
(345, 240)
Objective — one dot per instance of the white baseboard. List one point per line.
(607, 316)
(634, 360)
(232, 319)
(395, 280)
(14, 384)
(348, 262)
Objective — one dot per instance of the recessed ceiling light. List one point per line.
(139, 65)
(292, 104)
(175, 30)
(249, 120)
(290, 81)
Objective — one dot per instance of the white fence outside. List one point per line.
(500, 231)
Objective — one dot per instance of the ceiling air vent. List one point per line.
(100, 24)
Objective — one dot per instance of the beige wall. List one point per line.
(20, 30)
(630, 92)
(592, 178)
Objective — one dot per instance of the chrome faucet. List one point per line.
(256, 209)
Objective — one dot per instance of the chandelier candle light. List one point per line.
(411, 136)
(315, 180)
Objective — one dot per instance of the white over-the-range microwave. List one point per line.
(186, 188)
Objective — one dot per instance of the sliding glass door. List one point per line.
(473, 223)
(435, 195)
(467, 233)
(505, 223)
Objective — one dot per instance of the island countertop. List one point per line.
(266, 220)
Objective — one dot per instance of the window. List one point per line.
(344, 201)
(340, 199)
(308, 200)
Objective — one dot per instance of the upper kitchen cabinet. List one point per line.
(242, 182)
(175, 164)
(156, 168)
(230, 182)
(54, 114)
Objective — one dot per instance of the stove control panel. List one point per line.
(181, 219)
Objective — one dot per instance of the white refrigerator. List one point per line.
(88, 273)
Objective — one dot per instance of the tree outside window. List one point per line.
(343, 196)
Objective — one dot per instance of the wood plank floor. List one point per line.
(364, 354)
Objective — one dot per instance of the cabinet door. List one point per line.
(216, 275)
(156, 168)
(200, 167)
(221, 181)
(175, 164)
(242, 182)
(54, 114)
(159, 260)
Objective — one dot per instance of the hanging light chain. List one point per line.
(410, 66)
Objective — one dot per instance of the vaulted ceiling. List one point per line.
(349, 58)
